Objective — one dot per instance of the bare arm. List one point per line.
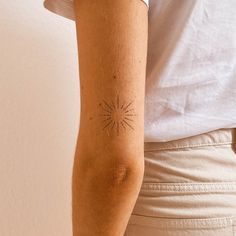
(109, 158)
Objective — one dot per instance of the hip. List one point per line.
(189, 187)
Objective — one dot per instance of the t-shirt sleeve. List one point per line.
(66, 7)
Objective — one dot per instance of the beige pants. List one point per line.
(189, 187)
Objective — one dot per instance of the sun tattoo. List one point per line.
(116, 117)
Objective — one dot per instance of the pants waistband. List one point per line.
(212, 138)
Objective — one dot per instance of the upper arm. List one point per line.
(112, 50)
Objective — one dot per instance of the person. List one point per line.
(155, 153)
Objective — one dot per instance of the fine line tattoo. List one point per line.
(116, 117)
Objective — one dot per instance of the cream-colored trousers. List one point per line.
(189, 187)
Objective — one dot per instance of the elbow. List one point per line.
(125, 174)
(124, 168)
(119, 176)
(116, 172)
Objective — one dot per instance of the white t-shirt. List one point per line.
(191, 66)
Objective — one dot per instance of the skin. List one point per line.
(109, 157)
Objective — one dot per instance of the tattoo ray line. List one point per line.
(128, 105)
(107, 124)
(128, 119)
(118, 101)
(122, 124)
(107, 119)
(113, 124)
(106, 110)
(117, 127)
(107, 104)
(122, 105)
(113, 104)
(128, 124)
(129, 110)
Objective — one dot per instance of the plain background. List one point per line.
(39, 119)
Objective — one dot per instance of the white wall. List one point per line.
(39, 119)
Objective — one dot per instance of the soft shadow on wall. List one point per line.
(39, 119)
